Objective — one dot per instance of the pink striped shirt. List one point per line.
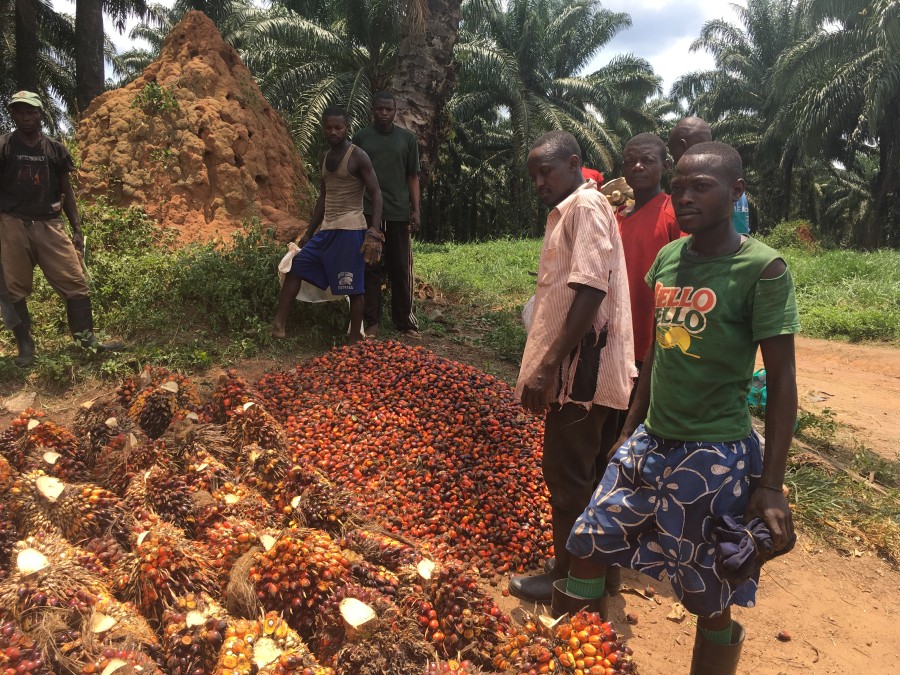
(582, 246)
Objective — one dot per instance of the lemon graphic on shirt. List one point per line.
(675, 336)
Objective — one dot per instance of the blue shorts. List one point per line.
(332, 259)
(655, 508)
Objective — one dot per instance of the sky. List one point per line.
(661, 32)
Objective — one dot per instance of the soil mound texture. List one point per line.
(194, 143)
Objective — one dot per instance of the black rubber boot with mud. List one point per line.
(710, 659)
(81, 325)
(22, 332)
(565, 603)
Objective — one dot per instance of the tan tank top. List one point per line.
(343, 197)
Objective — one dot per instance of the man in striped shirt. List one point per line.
(578, 360)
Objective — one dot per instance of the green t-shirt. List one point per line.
(395, 156)
(710, 315)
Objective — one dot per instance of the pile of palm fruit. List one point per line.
(238, 532)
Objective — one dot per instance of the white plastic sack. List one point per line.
(528, 313)
(308, 292)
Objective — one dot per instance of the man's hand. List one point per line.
(771, 505)
(414, 221)
(536, 396)
(302, 241)
(78, 242)
(372, 245)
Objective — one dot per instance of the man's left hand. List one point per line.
(414, 221)
(78, 242)
(536, 393)
(772, 506)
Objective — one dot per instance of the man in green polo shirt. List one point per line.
(395, 155)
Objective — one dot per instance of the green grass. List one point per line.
(847, 295)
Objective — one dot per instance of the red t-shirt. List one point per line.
(594, 174)
(644, 232)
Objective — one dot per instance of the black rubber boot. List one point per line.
(22, 331)
(710, 659)
(81, 325)
(564, 603)
(539, 587)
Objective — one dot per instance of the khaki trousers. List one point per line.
(25, 244)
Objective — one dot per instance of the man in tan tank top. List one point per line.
(337, 245)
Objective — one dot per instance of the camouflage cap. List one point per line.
(28, 98)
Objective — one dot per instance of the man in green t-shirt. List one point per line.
(688, 461)
(395, 155)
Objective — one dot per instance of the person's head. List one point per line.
(384, 109)
(644, 161)
(554, 164)
(334, 125)
(27, 111)
(687, 133)
(708, 179)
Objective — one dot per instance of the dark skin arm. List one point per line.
(536, 396)
(767, 501)
(71, 211)
(412, 183)
(366, 173)
(318, 214)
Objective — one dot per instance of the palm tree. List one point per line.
(526, 58)
(737, 97)
(842, 92)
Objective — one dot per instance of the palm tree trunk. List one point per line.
(426, 74)
(26, 45)
(89, 75)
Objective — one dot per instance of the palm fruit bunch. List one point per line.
(163, 565)
(230, 394)
(265, 470)
(226, 541)
(370, 575)
(381, 549)
(122, 661)
(193, 631)
(51, 448)
(251, 423)
(9, 439)
(267, 646)
(453, 667)
(96, 423)
(317, 502)
(100, 555)
(454, 613)
(165, 493)
(237, 501)
(361, 630)
(154, 408)
(298, 573)
(154, 376)
(430, 449)
(580, 644)
(126, 455)
(193, 442)
(79, 511)
(204, 471)
(18, 652)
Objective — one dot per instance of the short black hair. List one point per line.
(383, 96)
(727, 160)
(649, 139)
(335, 111)
(559, 143)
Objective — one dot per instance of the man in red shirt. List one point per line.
(645, 228)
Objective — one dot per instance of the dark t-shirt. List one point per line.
(30, 175)
(395, 156)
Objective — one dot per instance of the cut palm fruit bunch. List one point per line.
(250, 424)
(229, 396)
(193, 631)
(267, 646)
(167, 494)
(78, 511)
(155, 376)
(164, 565)
(18, 427)
(97, 421)
(18, 653)
(317, 502)
(126, 455)
(51, 448)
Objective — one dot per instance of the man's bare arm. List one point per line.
(70, 208)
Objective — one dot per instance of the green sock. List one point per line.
(717, 637)
(589, 589)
